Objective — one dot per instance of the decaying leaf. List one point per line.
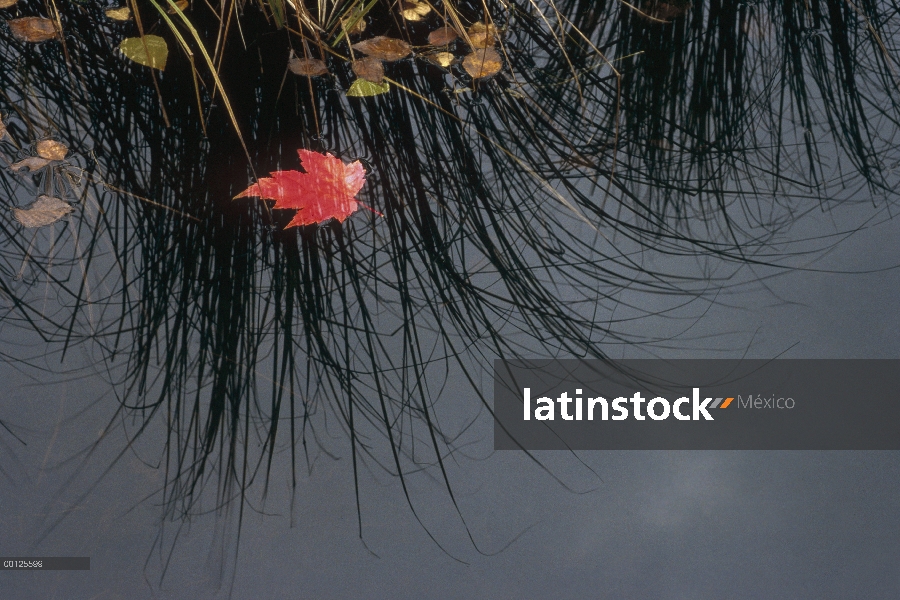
(52, 150)
(441, 59)
(310, 67)
(7, 3)
(153, 55)
(33, 29)
(326, 191)
(354, 23)
(181, 4)
(362, 88)
(482, 35)
(122, 13)
(483, 63)
(414, 11)
(442, 36)
(370, 69)
(32, 163)
(385, 48)
(46, 210)
(2, 129)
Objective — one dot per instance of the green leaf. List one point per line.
(277, 7)
(361, 87)
(151, 51)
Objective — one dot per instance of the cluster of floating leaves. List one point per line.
(46, 210)
(482, 61)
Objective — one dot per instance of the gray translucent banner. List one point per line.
(697, 405)
(45, 563)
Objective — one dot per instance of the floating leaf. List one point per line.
(664, 11)
(483, 63)
(52, 150)
(154, 55)
(326, 191)
(385, 48)
(181, 4)
(441, 59)
(32, 163)
(414, 11)
(310, 67)
(33, 29)
(7, 3)
(362, 88)
(442, 36)
(122, 13)
(355, 23)
(482, 35)
(370, 69)
(2, 129)
(46, 210)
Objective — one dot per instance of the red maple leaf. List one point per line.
(326, 191)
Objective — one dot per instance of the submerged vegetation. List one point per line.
(522, 160)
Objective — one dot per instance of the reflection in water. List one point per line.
(517, 211)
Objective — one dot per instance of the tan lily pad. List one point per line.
(483, 63)
(441, 59)
(309, 67)
(442, 36)
(52, 150)
(363, 88)
(482, 35)
(385, 48)
(33, 29)
(7, 3)
(32, 163)
(150, 51)
(369, 68)
(414, 11)
(46, 210)
(122, 13)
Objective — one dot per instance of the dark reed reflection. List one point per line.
(515, 209)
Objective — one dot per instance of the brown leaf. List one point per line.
(370, 69)
(483, 63)
(46, 210)
(52, 150)
(33, 163)
(181, 4)
(414, 11)
(357, 28)
(33, 29)
(482, 35)
(310, 67)
(441, 59)
(385, 48)
(2, 129)
(7, 3)
(442, 36)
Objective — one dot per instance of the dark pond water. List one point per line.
(206, 403)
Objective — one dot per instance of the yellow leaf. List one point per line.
(153, 55)
(414, 11)
(483, 63)
(123, 13)
(52, 150)
(363, 88)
